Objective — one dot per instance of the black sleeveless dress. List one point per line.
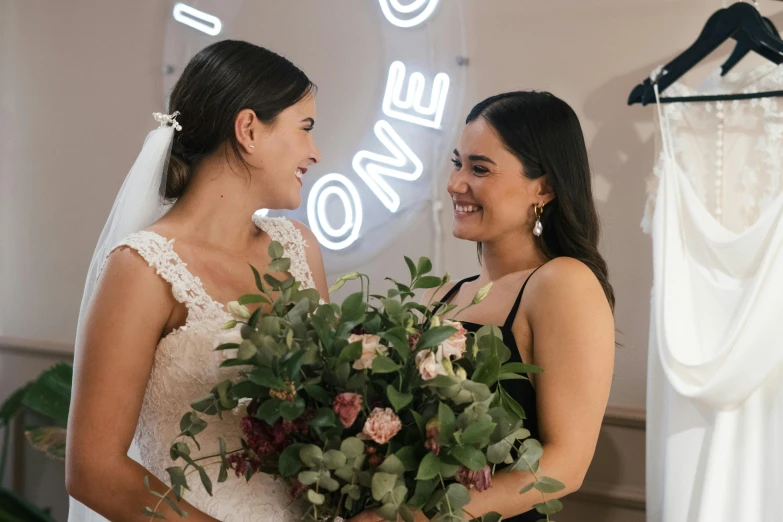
(521, 390)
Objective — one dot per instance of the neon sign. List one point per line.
(392, 9)
(204, 22)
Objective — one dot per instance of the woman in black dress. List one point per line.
(521, 190)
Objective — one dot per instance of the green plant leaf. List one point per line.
(292, 410)
(469, 457)
(246, 350)
(50, 393)
(280, 265)
(497, 453)
(424, 267)
(411, 267)
(527, 488)
(531, 452)
(351, 352)
(353, 307)
(50, 440)
(492, 516)
(550, 507)
(458, 495)
(252, 299)
(179, 482)
(224, 466)
(289, 461)
(269, 411)
(423, 492)
(447, 421)
(408, 458)
(429, 467)
(314, 498)
(257, 277)
(488, 371)
(548, 485)
(266, 377)
(382, 483)
(398, 339)
(435, 336)
(511, 405)
(12, 405)
(334, 459)
(382, 364)
(276, 250)
(311, 455)
(323, 418)
(477, 432)
(352, 447)
(427, 282)
(398, 400)
(393, 465)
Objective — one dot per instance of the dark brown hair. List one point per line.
(219, 82)
(544, 133)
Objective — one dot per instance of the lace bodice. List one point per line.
(730, 152)
(186, 368)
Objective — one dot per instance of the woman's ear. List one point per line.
(245, 129)
(544, 193)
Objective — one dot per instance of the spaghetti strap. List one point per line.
(514, 309)
(454, 289)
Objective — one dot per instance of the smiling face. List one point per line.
(283, 151)
(490, 194)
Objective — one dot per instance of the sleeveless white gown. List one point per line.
(186, 368)
(715, 376)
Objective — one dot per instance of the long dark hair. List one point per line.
(219, 82)
(544, 133)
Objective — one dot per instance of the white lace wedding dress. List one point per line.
(715, 386)
(186, 368)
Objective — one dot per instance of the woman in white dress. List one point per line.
(241, 118)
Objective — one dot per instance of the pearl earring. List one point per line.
(252, 146)
(538, 229)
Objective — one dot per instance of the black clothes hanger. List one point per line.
(740, 21)
(742, 49)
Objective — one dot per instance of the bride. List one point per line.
(239, 140)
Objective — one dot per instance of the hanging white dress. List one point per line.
(715, 381)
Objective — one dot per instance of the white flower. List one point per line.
(454, 347)
(429, 365)
(371, 345)
(237, 310)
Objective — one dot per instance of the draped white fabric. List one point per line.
(715, 393)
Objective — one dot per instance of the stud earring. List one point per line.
(252, 146)
(538, 229)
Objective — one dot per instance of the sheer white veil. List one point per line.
(139, 203)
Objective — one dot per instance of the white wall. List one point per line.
(79, 79)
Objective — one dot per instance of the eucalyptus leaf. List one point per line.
(398, 400)
(276, 250)
(550, 507)
(315, 498)
(311, 455)
(393, 465)
(334, 459)
(352, 447)
(469, 457)
(477, 432)
(458, 495)
(280, 265)
(429, 467)
(382, 483)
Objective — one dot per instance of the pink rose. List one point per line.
(453, 347)
(480, 480)
(371, 345)
(429, 365)
(382, 425)
(347, 406)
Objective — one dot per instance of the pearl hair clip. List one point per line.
(167, 119)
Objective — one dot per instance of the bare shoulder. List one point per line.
(565, 276)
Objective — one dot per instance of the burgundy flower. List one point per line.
(265, 439)
(480, 480)
(240, 461)
(433, 430)
(413, 340)
(297, 488)
(347, 406)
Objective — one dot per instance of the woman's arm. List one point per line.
(572, 328)
(113, 361)
(314, 259)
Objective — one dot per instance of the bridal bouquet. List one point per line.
(377, 403)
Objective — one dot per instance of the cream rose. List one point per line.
(429, 365)
(454, 347)
(371, 345)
